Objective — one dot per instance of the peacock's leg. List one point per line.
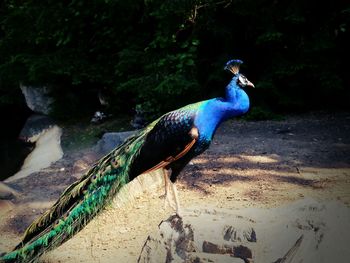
(167, 183)
(170, 199)
(176, 198)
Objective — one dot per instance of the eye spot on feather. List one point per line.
(106, 170)
(115, 163)
(94, 178)
(121, 162)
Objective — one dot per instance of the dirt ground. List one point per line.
(262, 164)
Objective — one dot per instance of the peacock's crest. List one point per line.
(233, 65)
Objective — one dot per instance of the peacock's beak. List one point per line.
(250, 84)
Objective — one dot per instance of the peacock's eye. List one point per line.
(242, 79)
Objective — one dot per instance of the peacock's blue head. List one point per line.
(233, 66)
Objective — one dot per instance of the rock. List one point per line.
(34, 126)
(7, 193)
(83, 165)
(79, 168)
(178, 241)
(111, 140)
(37, 98)
(240, 251)
(213, 258)
(47, 138)
(232, 234)
(305, 231)
(212, 248)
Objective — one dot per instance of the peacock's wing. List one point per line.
(169, 137)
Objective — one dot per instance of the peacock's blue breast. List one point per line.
(207, 120)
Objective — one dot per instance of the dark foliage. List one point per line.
(158, 55)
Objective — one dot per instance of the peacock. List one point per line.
(168, 143)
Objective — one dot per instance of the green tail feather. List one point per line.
(79, 203)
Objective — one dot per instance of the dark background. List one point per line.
(159, 55)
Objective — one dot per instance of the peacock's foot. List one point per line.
(178, 212)
(170, 202)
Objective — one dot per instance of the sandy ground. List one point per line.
(264, 164)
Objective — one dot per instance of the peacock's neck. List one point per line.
(231, 90)
(215, 111)
(236, 101)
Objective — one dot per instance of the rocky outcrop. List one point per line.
(47, 138)
(110, 140)
(34, 126)
(38, 99)
(305, 231)
(191, 239)
(83, 164)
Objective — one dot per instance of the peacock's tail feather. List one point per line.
(79, 203)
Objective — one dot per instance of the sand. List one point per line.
(269, 168)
